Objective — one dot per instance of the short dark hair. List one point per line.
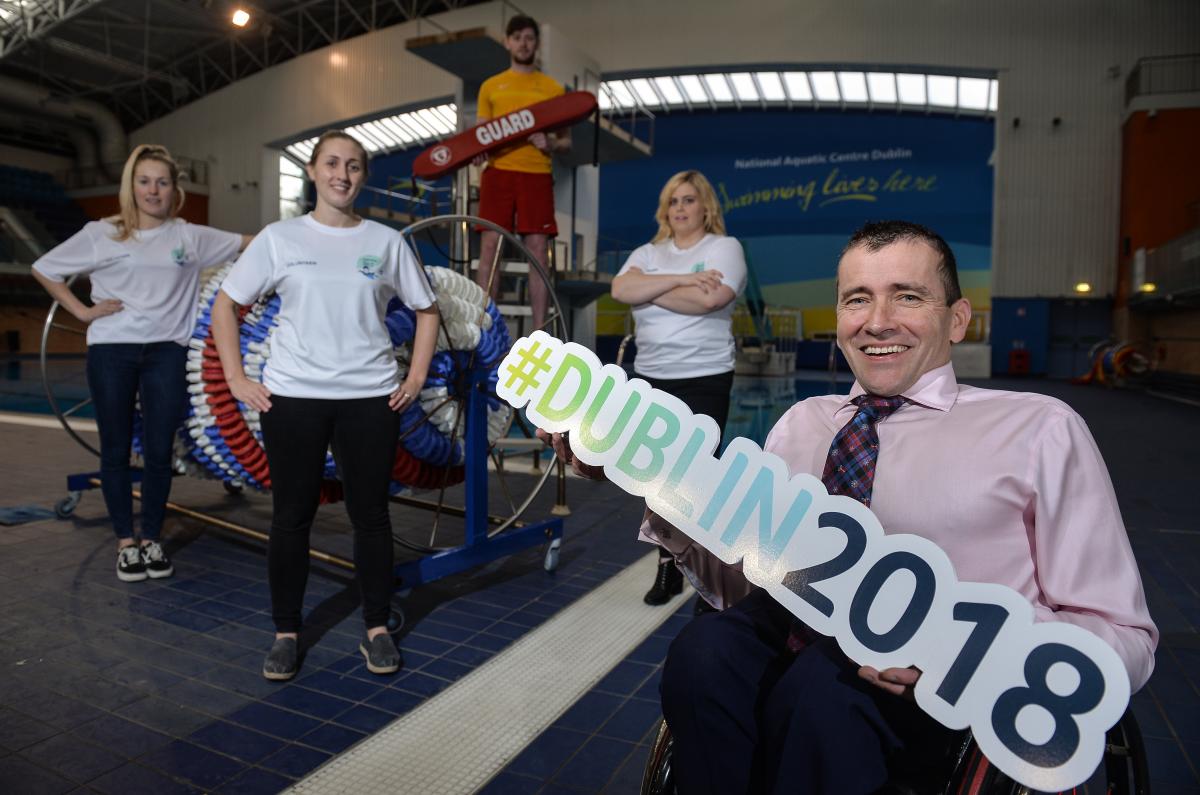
(875, 235)
(521, 22)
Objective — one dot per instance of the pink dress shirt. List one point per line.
(1009, 484)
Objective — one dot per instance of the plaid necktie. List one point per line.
(850, 470)
(850, 466)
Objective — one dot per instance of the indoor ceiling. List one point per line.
(144, 58)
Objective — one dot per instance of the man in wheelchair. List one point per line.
(1009, 485)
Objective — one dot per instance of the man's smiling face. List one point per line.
(893, 324)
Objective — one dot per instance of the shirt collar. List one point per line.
(936, 389)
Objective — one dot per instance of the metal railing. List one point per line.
(1165, 74)
(1173, 269)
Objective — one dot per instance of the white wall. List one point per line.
(1056, 189)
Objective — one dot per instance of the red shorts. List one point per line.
(518, 201)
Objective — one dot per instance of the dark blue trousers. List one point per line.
(118, 374)
(748, 716)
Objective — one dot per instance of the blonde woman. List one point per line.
(333, 382)
(144, 265)
(682, 286)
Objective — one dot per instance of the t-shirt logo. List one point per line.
(699, 266)
(178, 256)
(370, 266)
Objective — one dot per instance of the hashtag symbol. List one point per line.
(527, 369)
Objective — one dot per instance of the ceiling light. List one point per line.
(1083, 287)
(240, 17)
(1148, 287)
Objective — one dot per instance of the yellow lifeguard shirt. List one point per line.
(509, 91)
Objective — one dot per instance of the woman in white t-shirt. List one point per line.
(682, 287)
(144, 265)
(331, 381)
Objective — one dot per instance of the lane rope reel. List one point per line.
(222, 438)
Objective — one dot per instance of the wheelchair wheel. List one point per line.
(658, 778)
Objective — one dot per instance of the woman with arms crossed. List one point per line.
(332, 380)
(144, 266)
(682, 287)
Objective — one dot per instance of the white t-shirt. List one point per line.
(674, 345)
(334, 285)
(155, 274)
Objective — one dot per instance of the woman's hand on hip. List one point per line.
(252, 393)
(109, 306)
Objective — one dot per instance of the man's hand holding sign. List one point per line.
(1024, 669)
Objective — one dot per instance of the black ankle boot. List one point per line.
(667, 582)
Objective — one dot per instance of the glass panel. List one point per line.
(718, 87)
(825, 86)
(943, 91)
(797, 85)
(743, 85)
(693, 89)
(853, 85)
(973, 93)
(882, 86)
(669, 90)
(911, 89)
(772, 86)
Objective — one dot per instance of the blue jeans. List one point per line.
(118, 373)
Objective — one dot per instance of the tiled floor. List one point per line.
(155, 687)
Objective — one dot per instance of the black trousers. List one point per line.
(705, 394)
(748, 716)
(296, 433)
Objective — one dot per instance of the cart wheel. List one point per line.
(66, 506)
(551, 561)
(511, 490)
(233, 487)
(395, 621)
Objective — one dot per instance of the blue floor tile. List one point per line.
(589, 712)
(632, 721)
(236, 741)
(332, 738)
(207, 698)
(122, 736)
(440, 631)
(21, 775)
(509, 783)
(200, 766)
(308, 702)
(493, 643)
(506, 630)
(447, 669)
(547, 753)
(365, 719)
(274, 721)
(134, 779)
(420, 683)
(425, 645)
(294, 760)
(595, 763)
(346, 687)
(72, 758)
(59, 711)
(625, 678)
(394, 701)
(168, 717)
(255, 781)
(652, 650)
(141, 677)
(468, 655)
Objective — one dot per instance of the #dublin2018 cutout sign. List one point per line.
(1038, 697)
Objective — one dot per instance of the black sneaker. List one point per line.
(155, 561)
(382, 655)
(667, 583)
(282, 660)
(130, 567)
